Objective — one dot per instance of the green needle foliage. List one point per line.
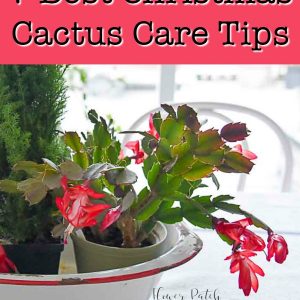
(32, 102)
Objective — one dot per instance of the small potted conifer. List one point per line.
(32, 101)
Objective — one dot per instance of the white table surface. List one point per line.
(208, 270)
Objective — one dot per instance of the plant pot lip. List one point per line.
(187, 246)
(134, 251)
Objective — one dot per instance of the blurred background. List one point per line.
(126, 92)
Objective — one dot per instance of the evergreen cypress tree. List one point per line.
(32, 101)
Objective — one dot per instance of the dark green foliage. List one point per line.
(32, 101)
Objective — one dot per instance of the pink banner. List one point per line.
(150, 31)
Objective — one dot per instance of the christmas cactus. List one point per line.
(96, 189)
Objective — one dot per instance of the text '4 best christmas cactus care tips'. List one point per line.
(156, 31)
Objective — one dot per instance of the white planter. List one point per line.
(130, 283)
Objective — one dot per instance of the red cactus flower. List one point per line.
(6, 265)
(238, 233)
(233, 230)
(248, 154)
(135, 148)
(248, 269)
(152, 130)
(277, 246)
(111, 217)
(234, 132)
(76, 206)
(251, 241)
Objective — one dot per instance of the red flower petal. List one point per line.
(245, 278)
(251, 241)
(238, 233)
(277, 246)
(244, 222)
(60, 205)
(248, 269)
(233, 230)
(91, 193)
(238, 148)
(255, 268)
(12, 267)
(152, 130)
(64, 183)
(121, 155)
(234, 266)
(6, 265)
(254, 282)
(135, 147)
(234, 132)
(96, 209)
(248, 154)
(111, 217)
(77, 208)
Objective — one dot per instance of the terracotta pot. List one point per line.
(92, 257)
(135, 282)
